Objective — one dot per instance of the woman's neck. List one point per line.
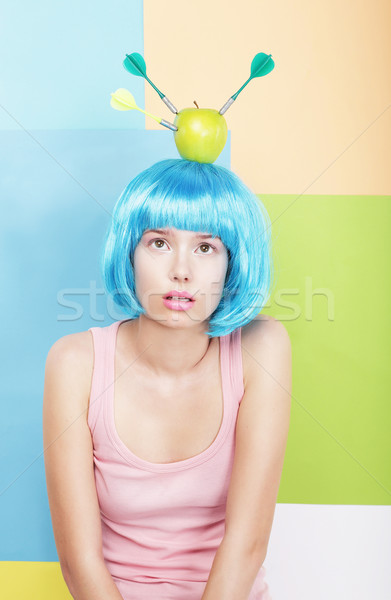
(165, 351)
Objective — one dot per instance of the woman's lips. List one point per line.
(178, 304)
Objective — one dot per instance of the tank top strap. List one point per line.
(99, 374)
(237, 365)
(232, 363)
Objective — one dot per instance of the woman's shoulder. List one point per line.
(263, 325)
(262, 332)
(71, 358)
(77, 346)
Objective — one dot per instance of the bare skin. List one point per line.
(261, 432)
(163, 419)
(168, 381)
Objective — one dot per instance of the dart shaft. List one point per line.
(226, 106)
(149, 114)
(170, 105)
(154, 86)
(240, 89)
(168, 125)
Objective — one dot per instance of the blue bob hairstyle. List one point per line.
(202, 197)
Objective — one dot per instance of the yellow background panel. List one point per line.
(22, 580)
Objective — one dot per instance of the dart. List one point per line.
(261, 65)
(135, 64)
(122, 99)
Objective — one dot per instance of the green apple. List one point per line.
(201, 134)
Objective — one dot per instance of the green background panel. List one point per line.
(331, 290)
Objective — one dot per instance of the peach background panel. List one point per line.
(319, 123)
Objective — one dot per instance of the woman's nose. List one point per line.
(180, 268)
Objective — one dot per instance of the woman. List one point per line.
(165, 432)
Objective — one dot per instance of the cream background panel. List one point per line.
(319, 123)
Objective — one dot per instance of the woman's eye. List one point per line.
(209, 246)
(153, 241)
(212, 248)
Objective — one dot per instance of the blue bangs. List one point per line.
(200, 197)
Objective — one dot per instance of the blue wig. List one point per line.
(202, 197)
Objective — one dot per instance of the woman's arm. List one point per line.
(261, 436)
(68, 457)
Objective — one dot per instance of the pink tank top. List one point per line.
(162, 523)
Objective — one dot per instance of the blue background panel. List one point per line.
(58, 189)
(46, 81)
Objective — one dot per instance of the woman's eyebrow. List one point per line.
(166, 232)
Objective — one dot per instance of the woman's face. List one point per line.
(185, 261)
